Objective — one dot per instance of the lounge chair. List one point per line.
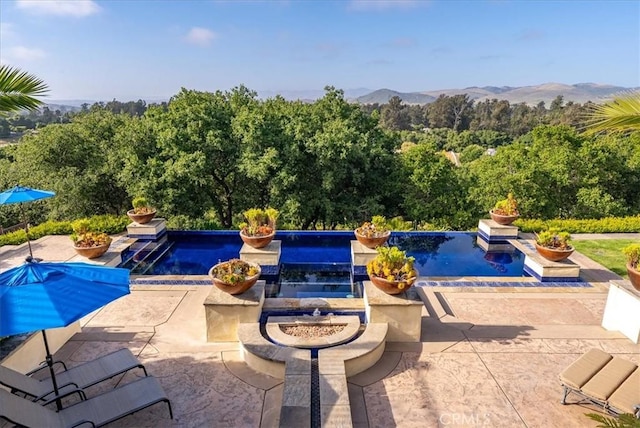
(604, 380)
(79, 377)
(96, 411)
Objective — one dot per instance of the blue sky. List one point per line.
(127, 49)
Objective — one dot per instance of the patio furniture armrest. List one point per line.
(76, 390)
(60, 387)
(43, 365)
(77, 424)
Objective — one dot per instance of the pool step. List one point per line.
(145, 256)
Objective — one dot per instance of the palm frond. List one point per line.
(18, 90)
(622, 114)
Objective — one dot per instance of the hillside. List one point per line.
(382, 96)
(532, 95)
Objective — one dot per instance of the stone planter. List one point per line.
(552, 254)
(634, 277)
(258, 241)
(391, 287)
(504, 220)
(237, 288)
(372, 242)
(92, 252)
(141, 218)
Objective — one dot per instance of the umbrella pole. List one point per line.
(49, 359)
(26, 229)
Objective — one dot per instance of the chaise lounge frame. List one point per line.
(612, 383)
(96, 411)
(77, 378)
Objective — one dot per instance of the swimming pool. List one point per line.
(437, 254)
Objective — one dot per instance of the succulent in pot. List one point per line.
(142, 212)
(235, 276)
(505, 211)
(260, 226)
(632, 252)
(89, 243)
(375, 233)
(392, 270)
(554, 245)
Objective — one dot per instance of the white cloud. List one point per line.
(23, 53)
(200, 36)
(77, 8)
(385, 4)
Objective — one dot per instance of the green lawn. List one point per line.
(607, 252)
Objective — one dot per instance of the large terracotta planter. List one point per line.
(372, 242)
(634, 277)
(553, 254)
(391, 287)
(237, 288)
(92, 252)
(257, 241)
(504, 220)
(141, 218)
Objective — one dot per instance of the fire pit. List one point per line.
(312, 331)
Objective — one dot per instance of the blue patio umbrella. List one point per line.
(37, 296)
(18, 195)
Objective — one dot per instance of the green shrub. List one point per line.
(603, 225)
(104, 223)
(183, 222)
(109, 224)
(13, 238)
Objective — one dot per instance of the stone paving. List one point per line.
(486, 357)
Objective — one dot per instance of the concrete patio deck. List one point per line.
(487, 357)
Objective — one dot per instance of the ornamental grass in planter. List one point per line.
(505, 211)
(235, 276)
(373, 234)
(260, 227)
(89, 243)
(633, 260)
(554, 245)
(391, 270)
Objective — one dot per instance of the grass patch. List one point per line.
(607, 252)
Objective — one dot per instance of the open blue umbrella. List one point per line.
(18, 195)
(37, 296)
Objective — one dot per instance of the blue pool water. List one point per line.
(438, 254)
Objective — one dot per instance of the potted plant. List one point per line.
(373, 234)
(554, 245)
(235, 276)
(633, 258)
(88, 243)
(391, 270)
(505, 211)
(260, 227)
(142, 212)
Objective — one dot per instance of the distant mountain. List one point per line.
(382, 96)
(532, 95)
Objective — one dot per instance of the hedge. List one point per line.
(603, 225)
(104, 223)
